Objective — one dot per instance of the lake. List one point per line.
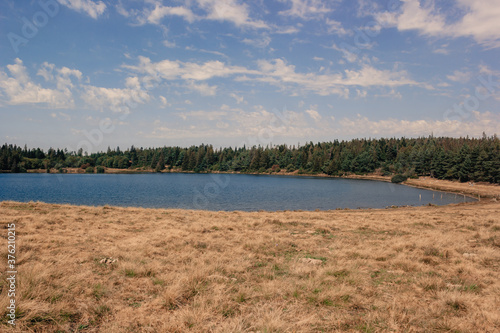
(215, 191)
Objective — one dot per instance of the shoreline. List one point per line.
(477, 191)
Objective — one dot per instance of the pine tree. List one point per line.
(154, 161)
(333, 168)
(465, 170)
(161, 162)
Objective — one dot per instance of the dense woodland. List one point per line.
(464, 159)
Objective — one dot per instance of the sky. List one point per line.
(91, 74)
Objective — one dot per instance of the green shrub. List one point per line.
(89, 170)
(398, 179)
(100, 169)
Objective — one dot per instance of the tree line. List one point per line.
(464, 159)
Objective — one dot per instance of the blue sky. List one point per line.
(92, 74)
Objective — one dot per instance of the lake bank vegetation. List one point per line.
(110, 269)
(463, 159)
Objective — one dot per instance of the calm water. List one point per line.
(215, 192)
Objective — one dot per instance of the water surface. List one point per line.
(215, 191)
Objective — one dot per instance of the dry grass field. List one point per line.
(427, 269)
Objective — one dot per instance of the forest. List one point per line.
(463, 159)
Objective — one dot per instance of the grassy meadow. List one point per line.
(109, 269)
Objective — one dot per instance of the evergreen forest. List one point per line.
(463, 159)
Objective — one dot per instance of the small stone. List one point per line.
(469, 255)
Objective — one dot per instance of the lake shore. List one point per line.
(475, 190)
(110, 269)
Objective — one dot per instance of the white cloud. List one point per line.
(417, 16)
(46, 71)
(305, 9)
(393, 94)
(336, 28)
(133, 83)
(115, 99)
(19, 88)
(169, 44)
(239, 99)
(203, 88)
(119, 100)
(93, 9)
(60, 76)
(192, 48)
(261, 42)
(253, 127)
(208, 115)
(61, 116)
(155, 15)
(461, 77)
(276, 72)
(483, 69)
(164, 102)
(348, 52)
(443, 49)
(368, 7)
(121, 9)
(232, 11)
(479, 122)
(284, 30)
(361, 93)
(172, 70)
(222, 125)
(480, 20)
(314, 114)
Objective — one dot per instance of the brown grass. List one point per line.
(482, 190)
(427, 269)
